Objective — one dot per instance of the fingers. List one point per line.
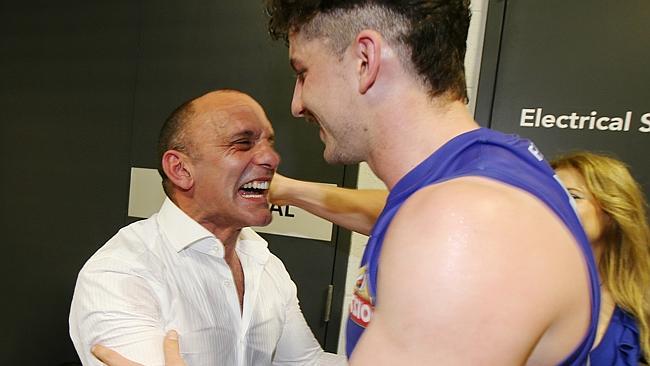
(170, 347)
(172, 350)
(110, 357)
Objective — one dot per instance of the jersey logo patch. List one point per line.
(362, 306)
(535, 151)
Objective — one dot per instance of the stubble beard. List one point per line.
(334, 155)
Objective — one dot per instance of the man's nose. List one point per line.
(297, 109)
(267, 156)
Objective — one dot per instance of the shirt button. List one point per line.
(226, 283)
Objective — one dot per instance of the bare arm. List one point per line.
(353, 209)
(461, 282)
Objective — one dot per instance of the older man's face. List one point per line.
(235, 163)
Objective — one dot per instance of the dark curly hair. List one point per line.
(430, 34)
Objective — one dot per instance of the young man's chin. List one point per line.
(337, 157)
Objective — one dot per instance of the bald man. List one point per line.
(195, 266)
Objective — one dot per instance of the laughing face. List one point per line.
(324, 94)
(233, 163)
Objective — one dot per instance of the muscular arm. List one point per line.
(353, 209)
(465, 279)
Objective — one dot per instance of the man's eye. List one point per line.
(243, 143)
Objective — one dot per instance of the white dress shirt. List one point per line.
(168, 272)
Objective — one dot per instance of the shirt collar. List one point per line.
(183, 232)
(252, 244)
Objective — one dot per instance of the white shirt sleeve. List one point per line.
(116, 307)
(297, 344)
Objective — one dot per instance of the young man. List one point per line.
(478, 256)
(195, 266)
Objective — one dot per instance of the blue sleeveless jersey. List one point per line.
(485, 153)
(620, 344)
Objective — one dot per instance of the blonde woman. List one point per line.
(612, 209)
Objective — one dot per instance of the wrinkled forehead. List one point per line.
(227, 115)
(244, 113)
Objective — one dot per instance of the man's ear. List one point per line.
(368, 51)
(178, 168)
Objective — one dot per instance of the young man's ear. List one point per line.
(178, 168)
(368, 51)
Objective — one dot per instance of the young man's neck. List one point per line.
(411, 132)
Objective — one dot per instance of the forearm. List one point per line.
(353, 209)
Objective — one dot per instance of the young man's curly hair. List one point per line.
(429, 35)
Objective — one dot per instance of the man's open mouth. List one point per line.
(254, 189)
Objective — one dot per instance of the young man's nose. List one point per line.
(297, 109)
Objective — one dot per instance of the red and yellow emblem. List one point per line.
(362, 306)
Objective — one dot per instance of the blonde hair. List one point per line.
(625, 262)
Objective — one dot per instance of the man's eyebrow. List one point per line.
(243, 134)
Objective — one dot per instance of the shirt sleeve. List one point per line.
(117, 308)
(297, 344)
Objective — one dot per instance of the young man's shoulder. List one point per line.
(473, 195)
(493, 253)
(487, 210)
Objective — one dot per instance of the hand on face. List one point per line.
(170, 349)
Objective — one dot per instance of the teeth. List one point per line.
(251, 195)
(256, 185)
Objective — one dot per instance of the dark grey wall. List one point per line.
(565, 57)
(85, 87)
(66, 106)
